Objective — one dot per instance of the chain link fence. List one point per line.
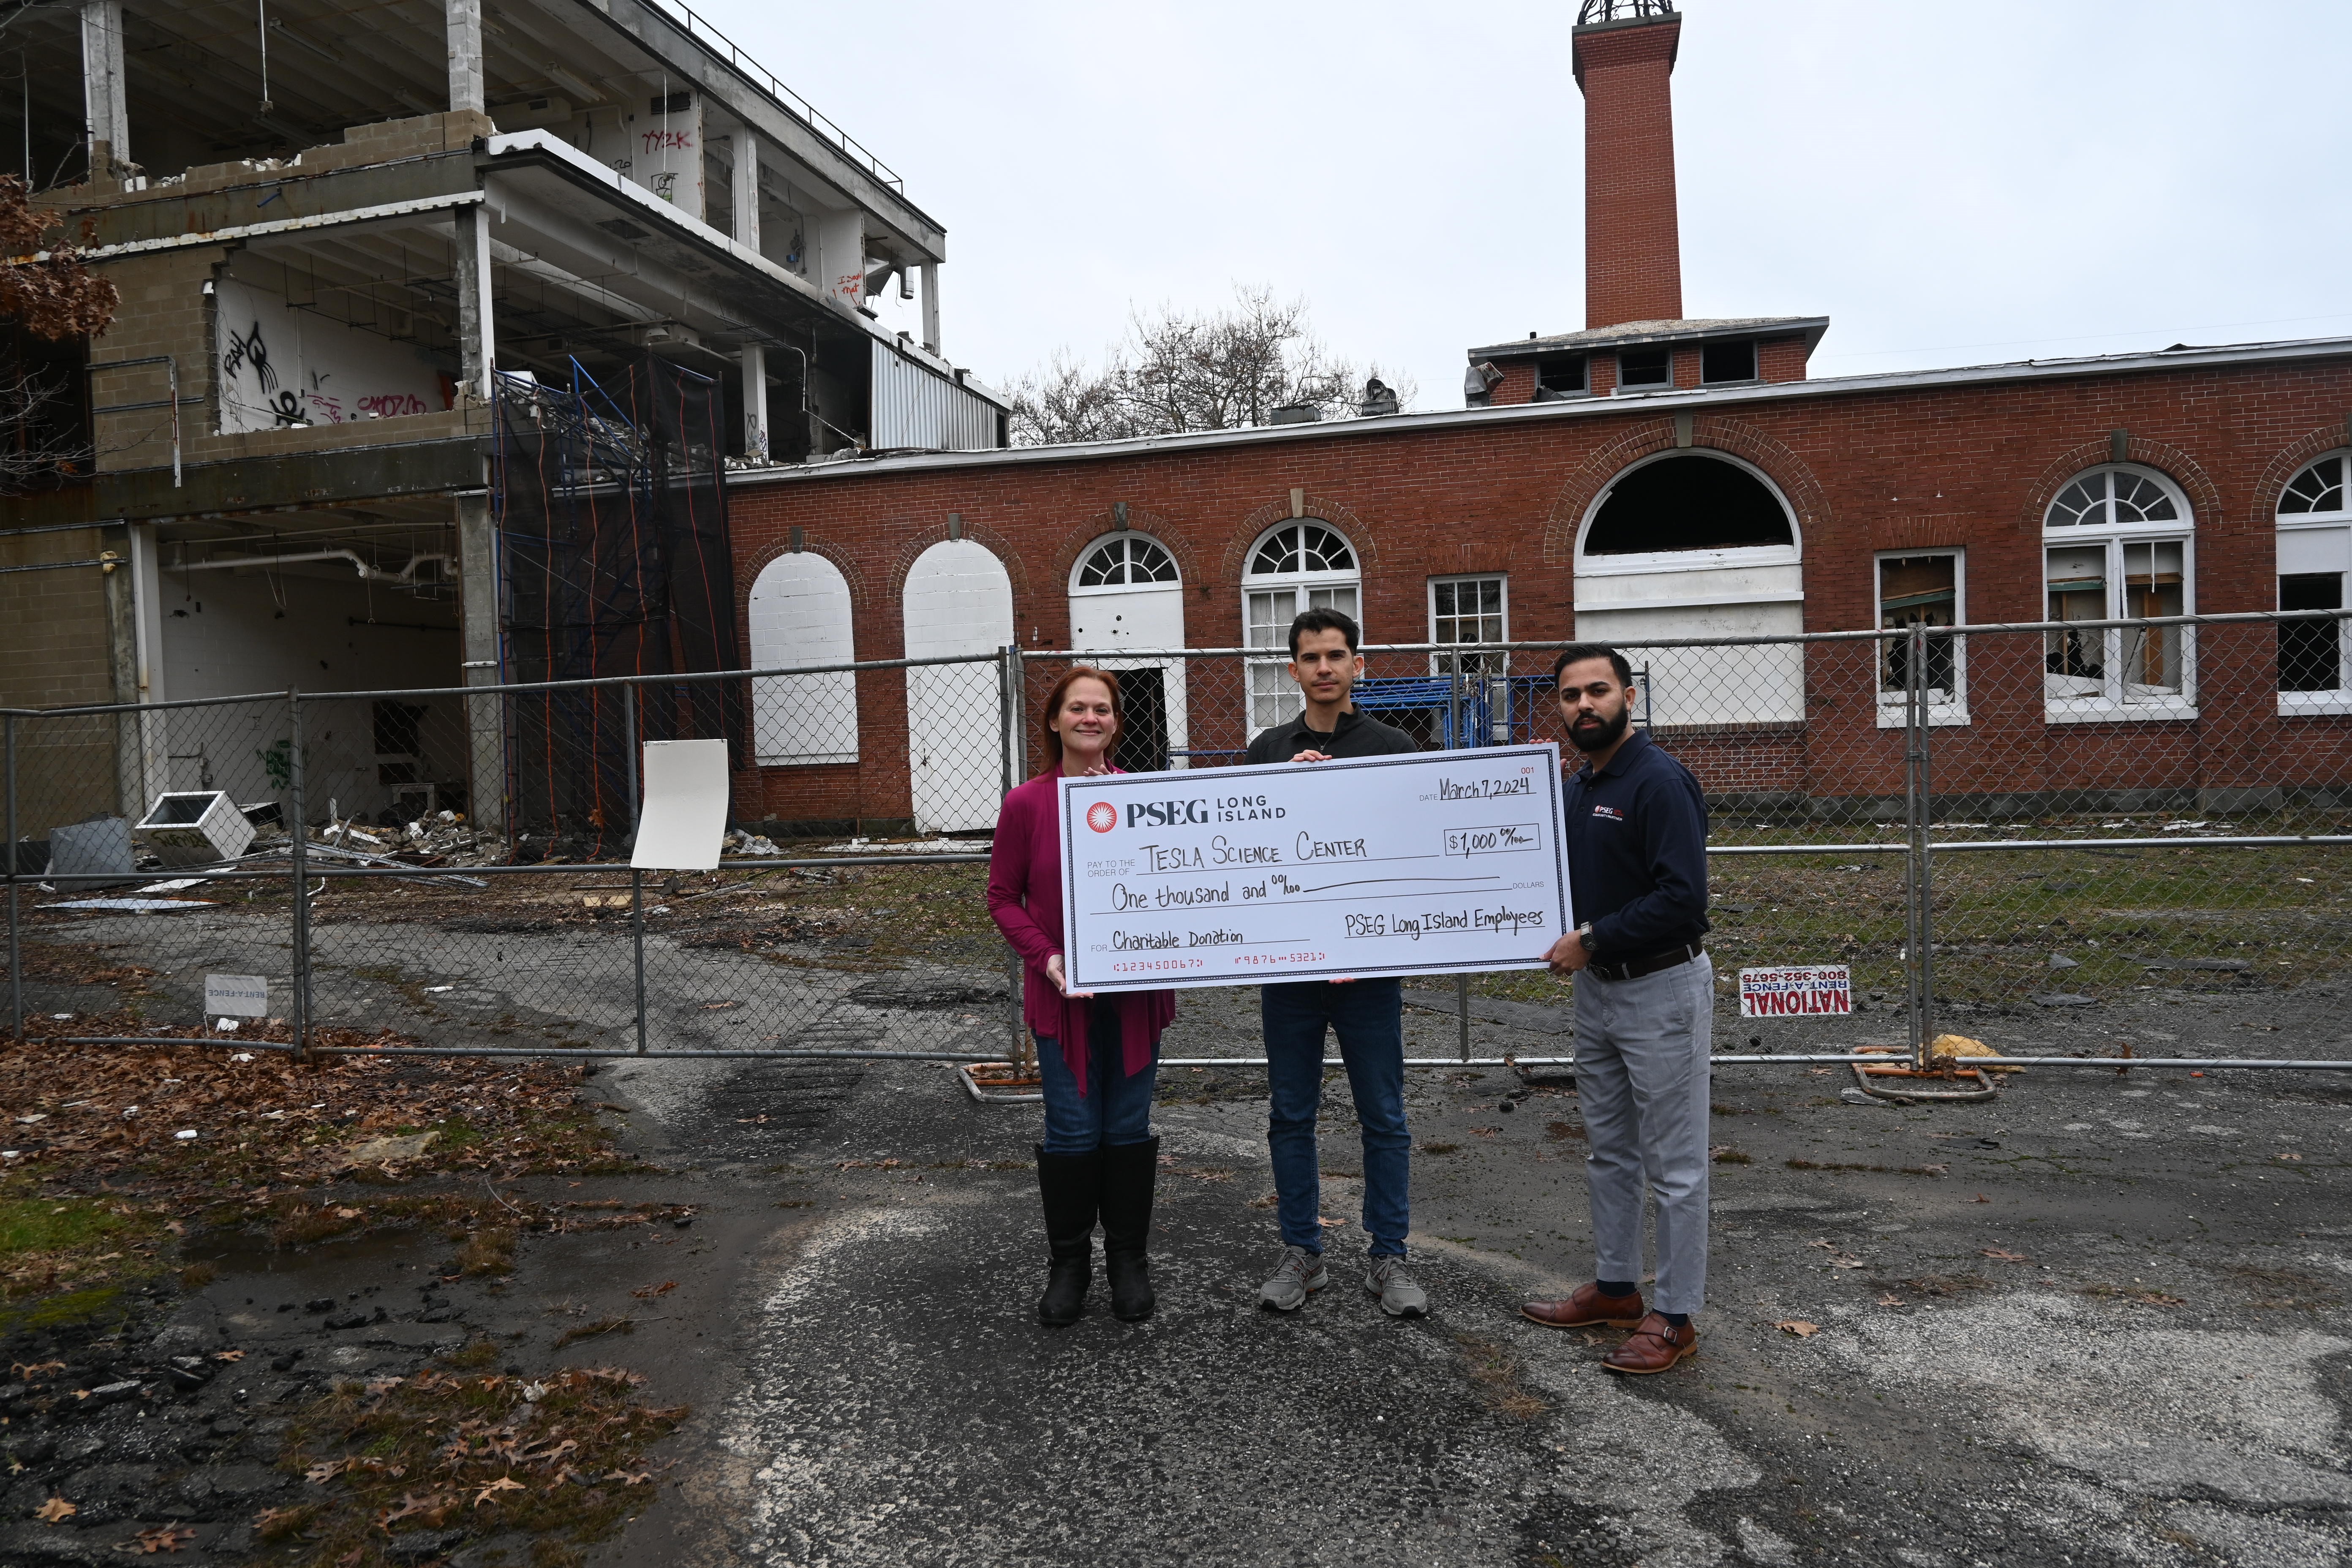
(2005, 819)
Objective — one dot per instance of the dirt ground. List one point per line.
(781, 1310)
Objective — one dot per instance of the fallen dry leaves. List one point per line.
(664, 1288)
(57, 1511)
(1798, 1327)
(1999, 1255)
(162, 1538)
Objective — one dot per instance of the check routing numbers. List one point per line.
(1441, 862)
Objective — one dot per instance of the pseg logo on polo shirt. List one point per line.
(1610, 812)
(1102, 817)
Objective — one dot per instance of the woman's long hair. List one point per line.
(1077, 672)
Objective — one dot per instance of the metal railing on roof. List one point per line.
(698, 26)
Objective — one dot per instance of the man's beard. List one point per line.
(1589, 738)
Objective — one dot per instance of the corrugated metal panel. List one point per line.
(914, 408)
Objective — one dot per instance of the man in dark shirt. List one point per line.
(1634, 827)
(1367, 1015)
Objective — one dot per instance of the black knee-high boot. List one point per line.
(1129, 1172)
(1071, 1186)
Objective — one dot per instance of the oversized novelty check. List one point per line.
(1433, 863)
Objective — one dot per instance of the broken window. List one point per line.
(1298, 566)
(1919, 591)
(1728, 362)
(2314, 557)
(2139, 571)
(1561, 375)
(1645, 367)
(1687, 503)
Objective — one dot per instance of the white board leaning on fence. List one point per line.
(1433, 863)
(684, 814)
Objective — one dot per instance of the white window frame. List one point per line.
(2294, 524)
(1502, 580)
(2111, 703)
(1303, 587)
(1894, 706)
(1077, 567)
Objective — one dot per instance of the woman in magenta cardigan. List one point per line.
(1099, 1055)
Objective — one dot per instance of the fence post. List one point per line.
(1013, 694)
(298, 825)
(637, 874)
(1918, 973)
(1453, 739)
(15, 953)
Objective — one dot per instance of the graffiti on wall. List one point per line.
(280, 367)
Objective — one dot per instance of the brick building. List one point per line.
(1651, 477)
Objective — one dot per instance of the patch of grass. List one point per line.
(1560, 1131)
(487, 1251)
(1733, 1157)
(2105, 1292)
(92, 1305)
(196, 1275)
(1946, 1284)
(1441, 1148)
(559, 1460)
(64, 1242)
(590, 1330)
(1879, 1170)
(1496, 1371)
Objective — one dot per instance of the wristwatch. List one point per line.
(1584, 935)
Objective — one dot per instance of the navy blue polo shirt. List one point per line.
(1636, 840)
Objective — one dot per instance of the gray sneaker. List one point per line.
(1384, 1277)
(1299, 1272)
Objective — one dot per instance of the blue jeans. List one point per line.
(1116, 1107)
(1369, 1017)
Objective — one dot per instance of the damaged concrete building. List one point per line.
(371, 260)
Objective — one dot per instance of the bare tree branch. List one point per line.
(1176, 373)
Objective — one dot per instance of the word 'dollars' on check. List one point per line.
(1434, 863)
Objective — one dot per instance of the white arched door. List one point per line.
(1126, 593)
(959, 600)
(799, 616)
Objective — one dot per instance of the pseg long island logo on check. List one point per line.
(1434, 863)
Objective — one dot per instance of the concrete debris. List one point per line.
(387, 1151)
(2059, 961)
(2063, 999)
(909, 846)
(738, 842)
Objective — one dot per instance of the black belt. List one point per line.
(1634, 969)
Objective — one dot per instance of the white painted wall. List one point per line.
(279, 365)
(957, 600)
(799, 615)
(222, 633)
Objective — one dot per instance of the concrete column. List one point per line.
(747, 189)
(122, 660)
(477, 624)
(841, 256)
(477, 322)
(465, 19)
(105, 96)
(931, 278)
(755, 402)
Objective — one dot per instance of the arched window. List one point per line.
(2315, 555)
(1696, 543)
(958, 601)
(799, 615)
(1126, 593)
(1296, 566)
(2118, 545)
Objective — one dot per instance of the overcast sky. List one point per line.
(1950, 183)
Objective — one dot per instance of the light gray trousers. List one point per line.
(1642, 1049)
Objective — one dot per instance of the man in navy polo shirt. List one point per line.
(1635, 832)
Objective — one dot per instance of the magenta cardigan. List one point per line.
(1025, 900)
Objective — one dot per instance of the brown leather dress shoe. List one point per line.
(1588, 1308)
(1655, 1346)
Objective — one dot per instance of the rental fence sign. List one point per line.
(1801, 990)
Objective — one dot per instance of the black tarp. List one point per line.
(611, 505)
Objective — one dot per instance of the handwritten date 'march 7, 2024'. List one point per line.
(1430, 863)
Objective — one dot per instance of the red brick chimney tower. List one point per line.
(1624, 53)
